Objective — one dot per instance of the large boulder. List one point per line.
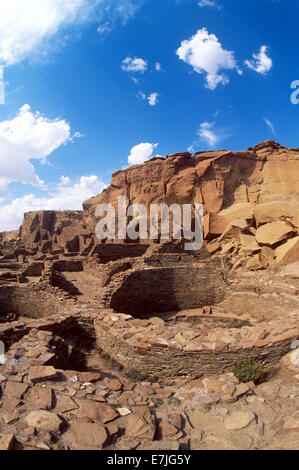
(288, 253)
(273, 233)
(276, 210)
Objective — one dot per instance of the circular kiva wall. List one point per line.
(27, 302)
(157, 290)
(153, 348)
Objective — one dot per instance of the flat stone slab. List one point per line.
(41, 373)
(6, 441)
(239, 420)
(85, 436)
(44, 420)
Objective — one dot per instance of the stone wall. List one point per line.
(155, 290)
(114, 251)
(69, 266)
(28, 302)
(152, 349)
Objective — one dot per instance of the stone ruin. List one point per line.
(113, 345)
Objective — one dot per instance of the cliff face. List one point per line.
(219, 180)
(54, 227)
(243, 194)
(7, 237)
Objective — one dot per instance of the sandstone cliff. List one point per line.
(219, 180)
(250, 200)
(49, 229)
(7, 237)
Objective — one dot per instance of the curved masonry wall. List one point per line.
(144, 291)
(29, 302)
(152, 348)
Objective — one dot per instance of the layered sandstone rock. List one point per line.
(7, 237)
(228, 184)
(250, 200)
(49, 229)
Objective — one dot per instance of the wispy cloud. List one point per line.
(2, 87)
(210, 134)
(261, 62)
(27, 26)
(209, 4)
(270, 125)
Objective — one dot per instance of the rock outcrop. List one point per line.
(229, 184)
(49, 229)
(8, 237)
(250, 200)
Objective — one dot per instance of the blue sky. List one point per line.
(92, 86)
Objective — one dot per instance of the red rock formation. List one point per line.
(6, 237)
(58, 228)
(240, 192)
(219, 180)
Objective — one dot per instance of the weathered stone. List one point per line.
(85, 436)
(239, 420)
(115, 385)
(44, 420)
(165, 445)
(124, 411)
(41, 398)
(167, 430)
(289, 252)
(271, 234)
(275, 210)
(42, 373)
(292, 423)
(248, 244)
(16, 389)
(97, 412)
(89, 377)
(65, 403)
(141, 426)
(6, 441)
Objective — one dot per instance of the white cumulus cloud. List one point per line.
(141, 152)
(261, 62)
(26, 137)
(25, 24)
(153, 99)
(134, 65)
(61, 197)
(205, 54)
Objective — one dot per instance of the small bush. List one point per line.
(247, 370)
(157, 401)
(174, 401)
(115, 405)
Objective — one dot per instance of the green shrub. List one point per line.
(247, 370)
(174, 401)
(157, 401)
